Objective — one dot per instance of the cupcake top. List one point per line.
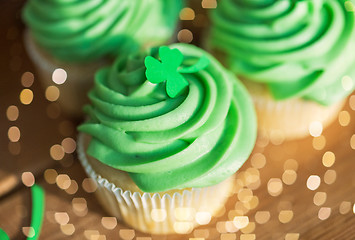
(172, 118)
(297, 48)
(79, 31)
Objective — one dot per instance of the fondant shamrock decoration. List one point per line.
(168, 69)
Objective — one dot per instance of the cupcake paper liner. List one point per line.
(153, 213)
(80, 77)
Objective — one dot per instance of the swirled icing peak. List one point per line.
(79, 31)
(195, 139)
(297, 48)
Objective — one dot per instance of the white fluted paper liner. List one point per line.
(80, 77)
(152, 213)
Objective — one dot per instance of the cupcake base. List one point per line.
(80, 77)
(173, 211)
(289, 119)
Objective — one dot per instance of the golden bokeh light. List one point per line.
(247, 237)
(28, 232)
(344, 118)
(14, 134)
(209, 3)
(183, 227)
(185, 36)
(203, 218)
(109, 222)
(61, 218)
(67, 229)
(319, 198)
(228, 236)
(352, 142)
(69, 145)
(347, 82)
(274, 187)
(241, 221)
(289, 177)
(262, 217)
(345, 207)
(80, 206)
(52, 93)
(59, 76)
(319, 143)
(328, 159)
(26, 96)
(50, 175)
(27, 79)
(12, 113)
(352, 102)
(187, 14)
(89, 185)
(63, 181)
(158, 215)
(249, 228)
(330, 176)
(292, 236)
(313, 182)
(28, 179)
(258, 160)
(73, 188)
(285, 216)
(57, 152)
(324, 213)
(315, 128)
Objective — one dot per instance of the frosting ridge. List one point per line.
(196, 139)
(297, 48)
(79, 31)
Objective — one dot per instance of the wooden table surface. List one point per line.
(276, 189)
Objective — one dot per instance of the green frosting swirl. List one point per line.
(297, 48)
(197, 139)
(79, 31)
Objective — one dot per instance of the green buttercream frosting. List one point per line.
(196, 139)
(297, 48)
(82, 30)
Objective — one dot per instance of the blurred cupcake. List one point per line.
(81, 36)
(165, 133)
(296, 58)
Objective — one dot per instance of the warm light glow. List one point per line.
(258, 160)
(262, 217)
(315, 128)
(347, 82)
(328, 159)
(241, 221)
(57, 152)
(26, 96)
(324, 213)
(274, 186)
(344, 118)
(158, 215)
(67, 229)
(59, 76)
(27, 79)
(313, 182)
(187, 14)
(330, 176)
(319, 198)
(12, 113)
(28, 179)
(61, 218)
(52, 93)
(185, 36)
(285, 216)
(203, 218)
(109, 222)
(14, 134)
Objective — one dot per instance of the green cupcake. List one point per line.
(164, 125)
(296, 58)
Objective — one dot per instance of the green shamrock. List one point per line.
(167, 69)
